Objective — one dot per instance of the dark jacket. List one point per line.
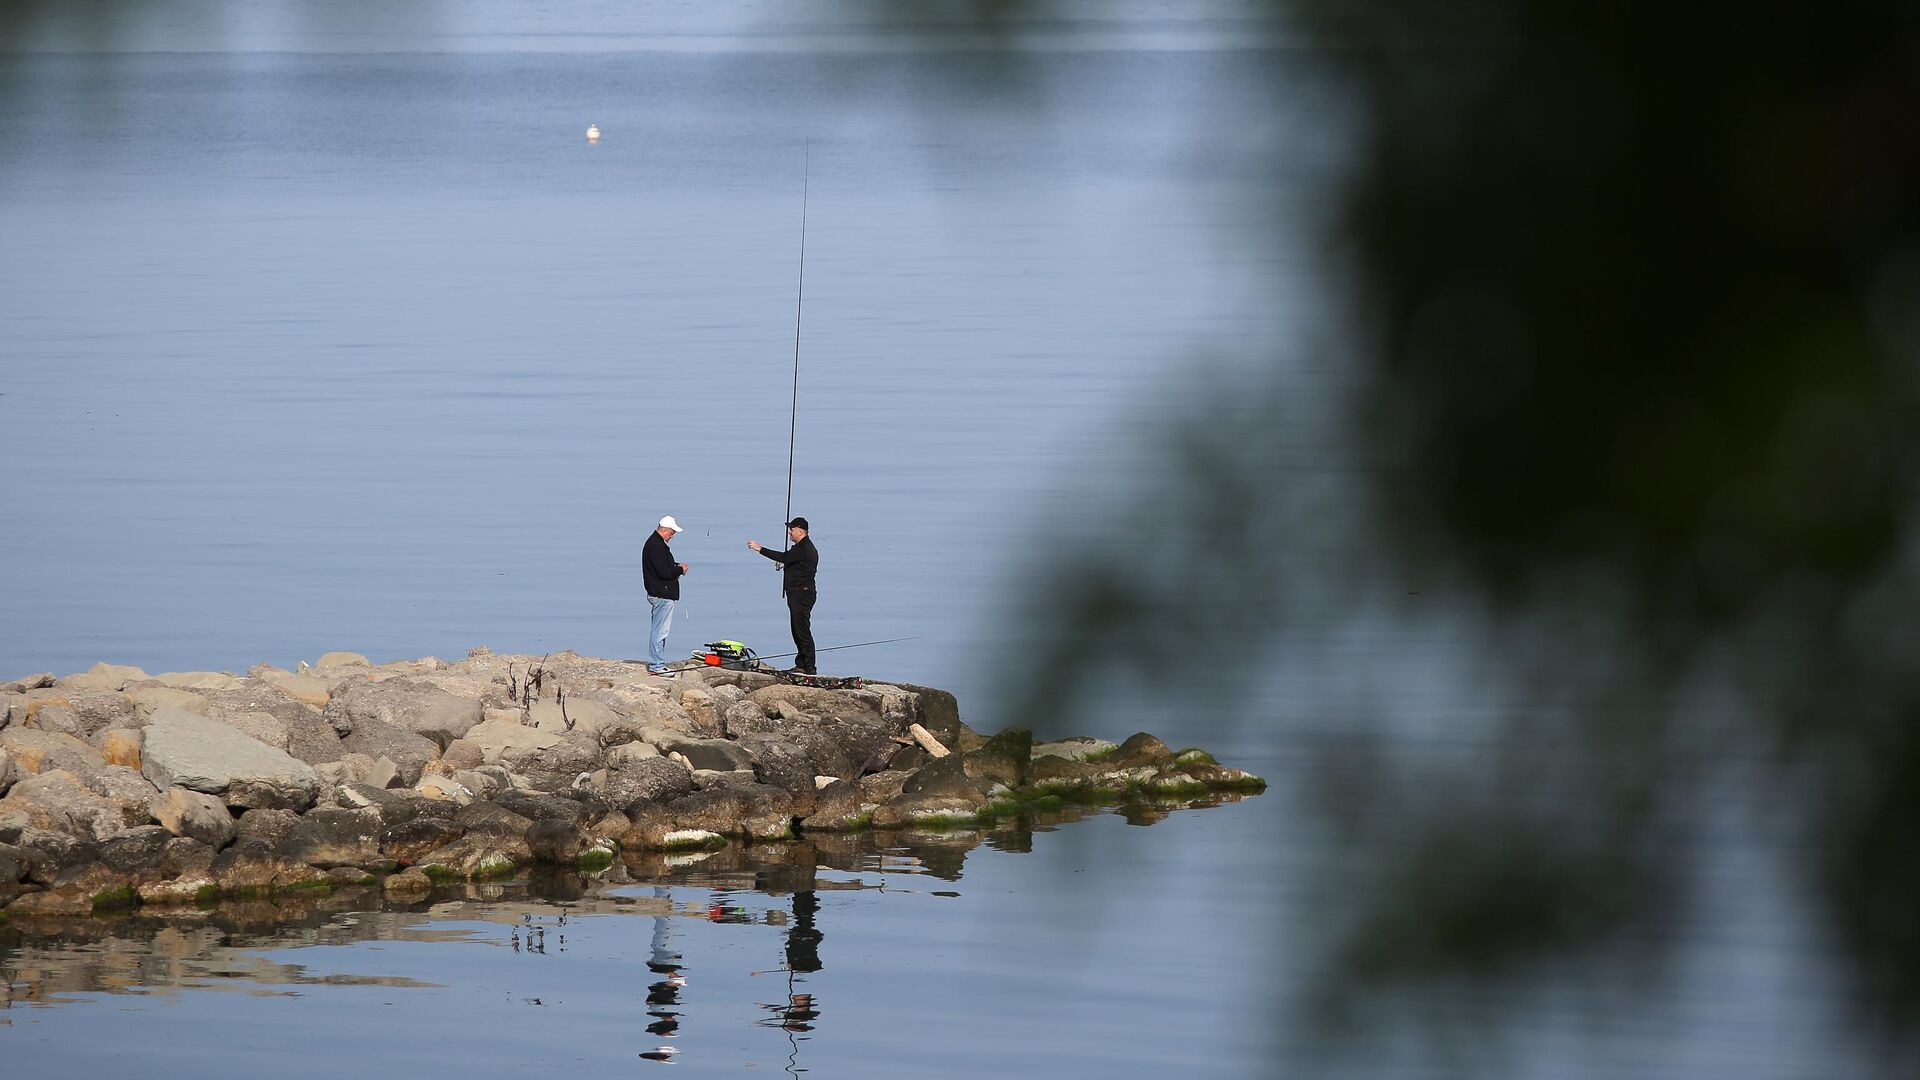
(658, 569)
(801, 562)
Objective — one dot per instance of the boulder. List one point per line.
(407, 704)
(1004, 758)
(939, 712)
(910, 808)
(836, 806)
(1078, 748)
(59, 801)
(409, 752)
(104, 676)
(137, 853)
(121, 746)
(42, 751)
(56, 719)
(127, 789)
(947, 777)
(195, 815)
(305, 689)
(628, 753)
(8, 774)
(333, 838)
(198, 680)
(717, 754)
(192, 751)
(557, 842)
(1139, 751)
(583, 714)
(784, 765)
(495, 843)
(508, 742)
(442, 786)
(265, 827)
(50, 851)
(150, 697)
(755, 811)
(464, 754)
(251, 867)
(704, 712)
(406, 842)
(535, 807)
(27, 682)
(342, 659)
(560, 766)
(651, 779)
(484, 783)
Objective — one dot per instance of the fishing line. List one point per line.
(793, 415)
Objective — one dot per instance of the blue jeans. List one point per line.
(657, 638)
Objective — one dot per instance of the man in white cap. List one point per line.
(662, 576)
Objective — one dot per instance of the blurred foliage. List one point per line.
(1632, 290)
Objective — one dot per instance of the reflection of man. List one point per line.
(665, 992)
(803, 955)
(803, 941)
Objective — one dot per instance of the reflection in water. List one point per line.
(558, 918)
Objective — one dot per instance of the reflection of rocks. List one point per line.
(117, 788)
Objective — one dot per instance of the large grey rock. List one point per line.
(149, 697)
(250, 867)
(27, 682)
(57, 719)
(716, 754)
(342, 659)
(508, 742)
(947, 776)
(103, 676)
(782, 764)
(939, 712)
(409, 752)
(137, 852)
(583, 715)
(41, 751)
(59, 801)
(562, 764)
(406, 842)
(203, 754)
(330, 838)
(195, 815)
(417, 707)
(755, 811)
(198, 680)
(1004, 758)
(265, 827)
(836, 806)
(653, 779)
(126, 789)
(7, 772)
(1140, 751)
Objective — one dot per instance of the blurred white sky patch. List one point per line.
(349, 26)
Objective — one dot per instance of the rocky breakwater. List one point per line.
(119, 788)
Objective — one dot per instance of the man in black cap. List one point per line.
(800, 562)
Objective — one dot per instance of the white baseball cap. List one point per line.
(668, 523)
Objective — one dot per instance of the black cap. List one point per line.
(797, 523)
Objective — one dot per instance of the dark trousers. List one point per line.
(800, 614)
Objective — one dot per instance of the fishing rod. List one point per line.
(837, 648)
(793, 414)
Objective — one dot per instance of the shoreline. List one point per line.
(120, 789)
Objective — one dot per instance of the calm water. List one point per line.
(305, 350)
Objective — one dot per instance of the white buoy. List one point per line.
(593, 133)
